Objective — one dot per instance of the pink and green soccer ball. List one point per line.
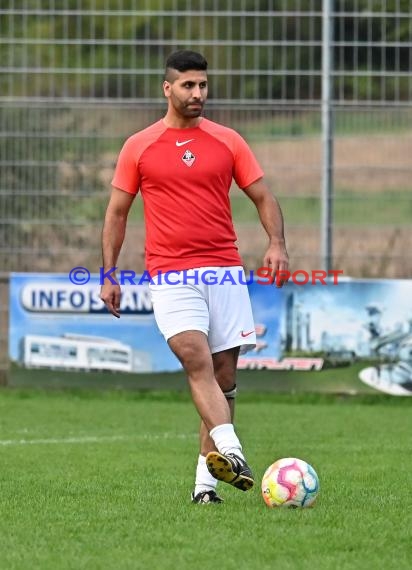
(290, 482)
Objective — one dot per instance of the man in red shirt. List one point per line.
(183, 165)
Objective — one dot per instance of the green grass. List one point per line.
(306, 123)
(349, 208)
(342, 380)
(121, 501)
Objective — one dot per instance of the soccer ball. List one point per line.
(290, 482)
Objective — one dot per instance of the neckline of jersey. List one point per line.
(186, 130)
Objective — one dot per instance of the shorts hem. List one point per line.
(168, 335)
(244, 346)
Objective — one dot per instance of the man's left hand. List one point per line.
(277, 259)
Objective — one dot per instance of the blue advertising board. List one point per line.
(366, 323)
(361, 327)
(56, 324)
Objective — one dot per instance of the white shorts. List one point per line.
(199, 300)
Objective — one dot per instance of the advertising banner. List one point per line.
(59, 325)
(56, 324)
(334, 336)
(359, 327)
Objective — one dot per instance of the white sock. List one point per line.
(204, 480)
(226, 440)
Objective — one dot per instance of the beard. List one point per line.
(188, 109)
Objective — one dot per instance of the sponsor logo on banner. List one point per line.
(297, 363)
(58, 297)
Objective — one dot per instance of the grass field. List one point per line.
(342, 380)
(393, 208)
(101, 480)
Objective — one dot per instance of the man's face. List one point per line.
(186, 91)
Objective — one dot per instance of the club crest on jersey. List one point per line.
(188, 157)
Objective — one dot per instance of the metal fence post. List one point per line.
(327, 136)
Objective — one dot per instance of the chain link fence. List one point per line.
(79, 76)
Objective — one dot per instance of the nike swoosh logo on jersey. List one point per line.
(178, 143)
(247, 334)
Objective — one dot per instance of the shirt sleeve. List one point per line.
(126, 175)
(246, 168)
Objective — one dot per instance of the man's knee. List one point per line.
(191, 349)
(193, 358)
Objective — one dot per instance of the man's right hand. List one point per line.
(110, 294)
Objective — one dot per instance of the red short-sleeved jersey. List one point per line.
(184, 176)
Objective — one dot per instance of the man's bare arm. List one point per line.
(114, 229)
(271, 217)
